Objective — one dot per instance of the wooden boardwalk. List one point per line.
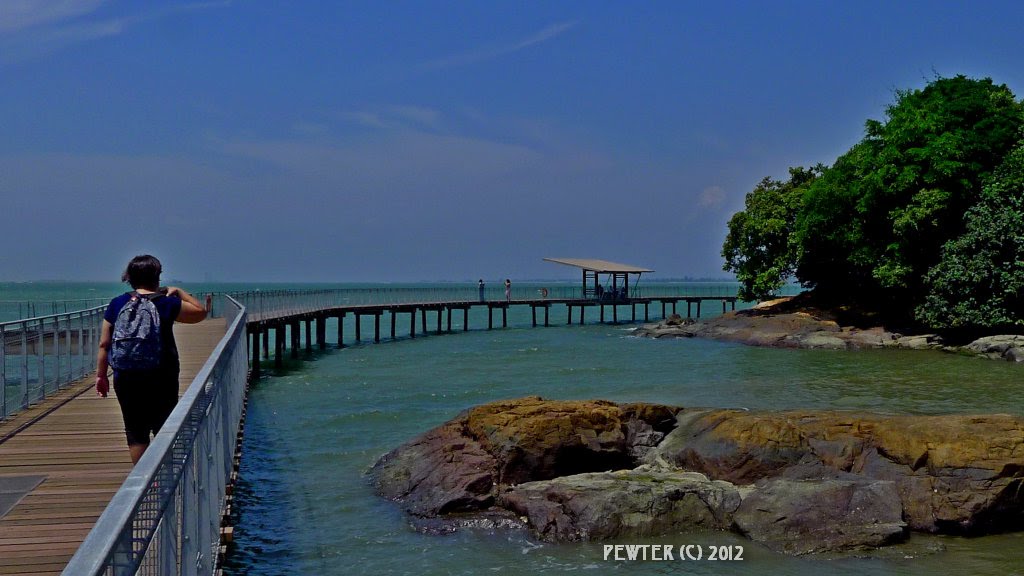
(80, 449)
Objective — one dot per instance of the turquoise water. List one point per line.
(305, 505)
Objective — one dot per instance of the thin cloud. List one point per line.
(35, 28)
(712, 198)
(18, 15)
(484, 54)
(393, 117)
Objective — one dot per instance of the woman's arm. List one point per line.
(102, 365)
(192, 311)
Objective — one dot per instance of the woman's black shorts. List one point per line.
(147, 399)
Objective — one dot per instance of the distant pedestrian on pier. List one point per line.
(137, 341)
(481, 285)
(508, 290)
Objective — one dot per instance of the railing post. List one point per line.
(41, 359)
(3, 372)
(56, 353)
(23, 389)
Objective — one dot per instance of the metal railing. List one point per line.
(40, 356)
(165, 518)
(269, 303)
(21, 309)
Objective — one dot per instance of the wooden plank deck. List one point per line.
(80, 448)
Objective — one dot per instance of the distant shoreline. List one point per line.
(771, 324)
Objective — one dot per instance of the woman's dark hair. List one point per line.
(143, 272)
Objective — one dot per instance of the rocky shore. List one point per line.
(799, 481)
(773, 324)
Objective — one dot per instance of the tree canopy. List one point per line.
(883, 225)
(760, 246)
(979, 282)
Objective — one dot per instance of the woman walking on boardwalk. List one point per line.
(508, 290)
(137, 340)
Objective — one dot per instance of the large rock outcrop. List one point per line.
(458, 466)
(809, 481)
(954, 473)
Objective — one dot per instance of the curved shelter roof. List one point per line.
(599, 266)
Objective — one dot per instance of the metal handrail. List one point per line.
(165, 518)
(40, 356)
(22, 309)
(267, 303)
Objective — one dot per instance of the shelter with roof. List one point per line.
(618, 276)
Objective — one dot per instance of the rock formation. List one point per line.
(798, 481)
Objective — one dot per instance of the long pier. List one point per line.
(285, 322)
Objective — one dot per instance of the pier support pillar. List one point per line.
(698, 309)
(341, 331)
(465, 319)
(490, 317)
(583, 309)
(266, 343)
(296, 337)
(646, 315)
(533, 315)
(359, 328)
(546, 308)
(423, 321)
(438, 320)
(602, 313)
(393, 324)
(279, 347)
(688, 308)
(255, 353)
(412, 323)
(449, 319)
(321, 332)
(615, 313)
(663, 316)
(309, 339)
(376, 327)
(504, 316)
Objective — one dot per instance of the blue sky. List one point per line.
(403, 141)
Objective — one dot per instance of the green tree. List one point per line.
(760, 246)
(875, 223)
(979, 283)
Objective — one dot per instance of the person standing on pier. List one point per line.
(137, 341)
(480, 284)
(508, 291)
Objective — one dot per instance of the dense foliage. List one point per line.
(896, 222)
(979, 282)
(760, 246)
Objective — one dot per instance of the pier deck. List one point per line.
(78, 449)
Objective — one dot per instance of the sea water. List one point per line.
(305, 505)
